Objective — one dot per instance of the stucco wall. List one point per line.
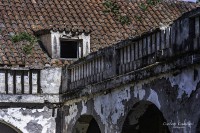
(30, 120)
(176, 95)
(51, 80)
(51, 42)
(33, 89)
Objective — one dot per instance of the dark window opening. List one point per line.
(68, 49)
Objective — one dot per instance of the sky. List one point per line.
(189, 0)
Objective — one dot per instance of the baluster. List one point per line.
(197, 26)
(158, 41)
(144, 47)
(168, 37)
(72, 75)
(132, 56)
(153, 38)
(140, 48)
(18, 82)
(149, 44)
(2, 81)
(128, 58)
(26, 82)
(125, 60)
(162, 39)
(10, 82)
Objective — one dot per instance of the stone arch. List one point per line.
(144, 117)
(8, 128)
(86, 124)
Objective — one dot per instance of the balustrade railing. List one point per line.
(92, 69)
(20, 81)
(157, 46)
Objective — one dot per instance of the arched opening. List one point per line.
(86, 124)
(7, 128)
(144, 117)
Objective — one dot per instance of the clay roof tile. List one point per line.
(85, 15)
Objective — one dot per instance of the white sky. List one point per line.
(189, 0)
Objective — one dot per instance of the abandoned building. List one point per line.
(99, 66)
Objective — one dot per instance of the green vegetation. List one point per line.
(124, 20)
(111, 6)
(114, 8)
(144, 7)
(148, 3)
(25, 37)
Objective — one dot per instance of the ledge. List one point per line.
(29, 98)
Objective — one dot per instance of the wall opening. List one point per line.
(144, 117)
(7, 128)
(198, 127)
(69, 49)
(86, 124)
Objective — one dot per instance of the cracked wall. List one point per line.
(51, 80)
(175, 94)
(30, 120)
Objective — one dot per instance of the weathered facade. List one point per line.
(29, 99)
(142, 77)
(118, 85)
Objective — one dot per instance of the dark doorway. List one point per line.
(93, 127)
(7, 129)
(86, 124)
(145, 117)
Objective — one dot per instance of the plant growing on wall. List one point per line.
(25, 37)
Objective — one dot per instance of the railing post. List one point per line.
(109, 62)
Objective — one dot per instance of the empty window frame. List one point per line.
(70, 49)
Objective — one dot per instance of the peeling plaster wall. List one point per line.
(111, 107)
(71, 117)
(186, 81)
(107, 108)
(176, 95)
(51, 80)
(48, 81)
(5, 98)
(30, 120)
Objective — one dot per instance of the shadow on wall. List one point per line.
(86, 124)
(144, 117)
(198, 127)
(7, 128)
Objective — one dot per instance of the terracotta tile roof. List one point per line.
(87, 15)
